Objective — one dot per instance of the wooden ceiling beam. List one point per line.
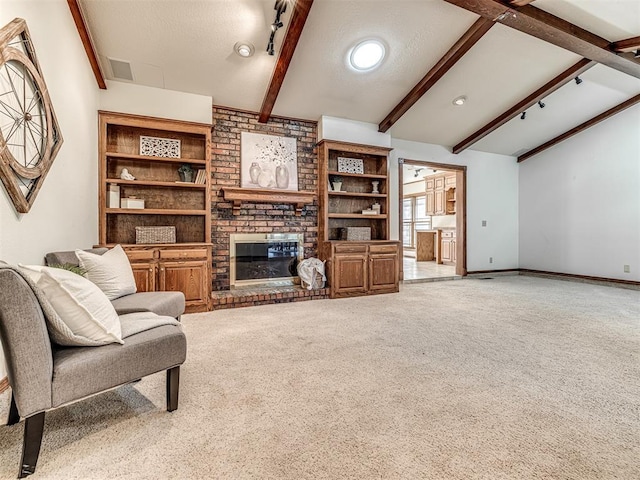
(85, 37)
(455, 53)
(540, 24)
(299, 16)
(562, 79)
(583, 126)
(627, 45)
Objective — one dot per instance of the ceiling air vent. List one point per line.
(121, 70)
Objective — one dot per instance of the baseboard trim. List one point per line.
(4, 384)
(488, 272)
(581, 278)
(560, 276)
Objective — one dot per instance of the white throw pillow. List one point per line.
(79, 303)
(111, 272)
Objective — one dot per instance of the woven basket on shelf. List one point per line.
(155, 234)
(356, 233)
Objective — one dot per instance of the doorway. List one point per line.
(432, 200)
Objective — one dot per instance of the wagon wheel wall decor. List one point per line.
(29, 133)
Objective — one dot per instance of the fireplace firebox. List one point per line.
(265, 259)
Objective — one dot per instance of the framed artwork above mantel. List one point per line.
(268, 162)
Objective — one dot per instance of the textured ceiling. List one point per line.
(188, 46)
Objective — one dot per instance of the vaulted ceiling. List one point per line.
(436, 50)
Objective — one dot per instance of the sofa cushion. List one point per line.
(111, 271)
(75, 369)
(170, 304)
(87, 313)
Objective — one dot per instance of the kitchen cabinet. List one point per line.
(440, 194)
(448, 247)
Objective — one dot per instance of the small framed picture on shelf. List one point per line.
(350, 165)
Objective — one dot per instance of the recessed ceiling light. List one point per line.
(244, 49)
(459, 101)
(366, 55)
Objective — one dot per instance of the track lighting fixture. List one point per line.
(578, 80)
(541, 105)
(523, 116)
(417, 174)
(280, 7)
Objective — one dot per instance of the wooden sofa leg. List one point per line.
(14, 416)
(33, 428)
(173, 385)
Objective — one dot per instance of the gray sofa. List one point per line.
(170, 304)
(44, 376)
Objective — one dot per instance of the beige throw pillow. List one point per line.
(79, 303)
(111, 271)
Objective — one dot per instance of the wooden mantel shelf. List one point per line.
(258, 195)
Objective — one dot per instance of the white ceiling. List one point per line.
(187, 45)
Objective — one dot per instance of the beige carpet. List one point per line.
(510, 378)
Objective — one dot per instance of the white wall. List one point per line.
(341, 129)
(492, 195)
(64, 214)
(579, 203)
(155, 102)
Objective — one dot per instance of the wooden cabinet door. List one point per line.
(450, 180)
(191, 278)
(439, 202)
(383, 272)
(446, 250)
(349, 274)
(453, 250)
(145, 276)
(430, 202)
(429, 183)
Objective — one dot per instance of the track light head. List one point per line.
(280, 7)
(541, 105)
(523, 116)
(578, 80)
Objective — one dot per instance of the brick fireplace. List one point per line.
(258, 217)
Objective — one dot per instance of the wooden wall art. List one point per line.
(29, 133)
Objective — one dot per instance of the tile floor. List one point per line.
(417, 272)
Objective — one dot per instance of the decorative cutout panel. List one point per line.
(159, 147)
(350, 165)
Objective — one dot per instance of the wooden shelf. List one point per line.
(153, 183)
(238, 195)
(357, 194)
(357, 215)
(153, 211)
(148, 158)
(155, 245)
(360, 175)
